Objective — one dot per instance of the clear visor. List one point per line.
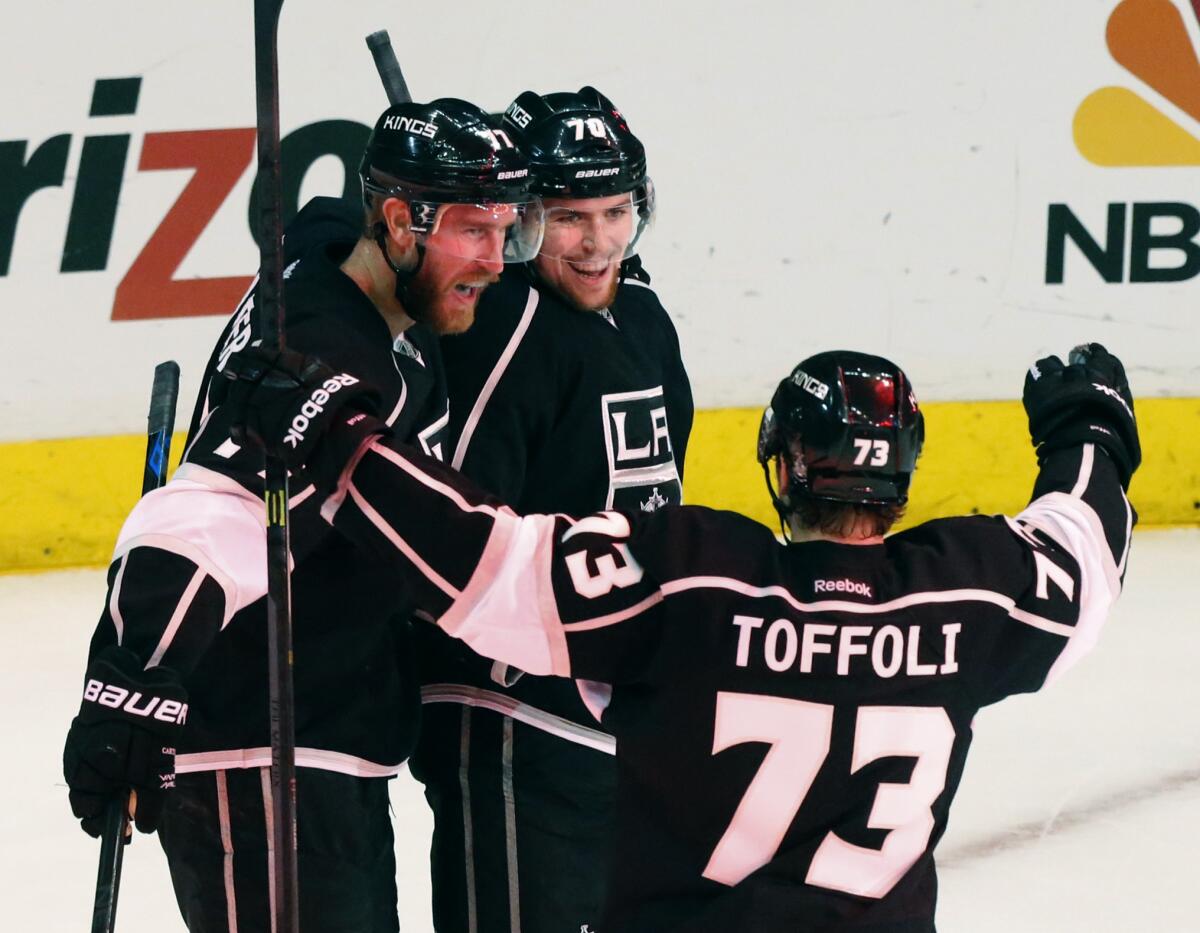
(488, 232)
(597, 231)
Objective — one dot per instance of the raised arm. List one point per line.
(1082, 422)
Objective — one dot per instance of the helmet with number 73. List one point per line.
(847, 427)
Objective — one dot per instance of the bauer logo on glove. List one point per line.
(124, 738)
(136, 704)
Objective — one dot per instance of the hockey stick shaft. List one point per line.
(380, 44)
(279, 598)
(159, 424)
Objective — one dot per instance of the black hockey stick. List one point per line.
(279, 591)
(159, 424)
(380, 44)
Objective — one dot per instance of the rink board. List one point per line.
(64, 500)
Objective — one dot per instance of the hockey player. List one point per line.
(568, 395)
(792, 719)
(446, 204)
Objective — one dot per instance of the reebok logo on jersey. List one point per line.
(136, 704)
(842, 586)
(314, 406)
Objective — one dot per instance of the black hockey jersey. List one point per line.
(559, 410)
(187, 582)
(792, 721)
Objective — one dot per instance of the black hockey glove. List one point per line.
(123, 738)
(311, 416)
(1085, 401)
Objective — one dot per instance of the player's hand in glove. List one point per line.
(1086, 401)
(300, 409)
(123, 739)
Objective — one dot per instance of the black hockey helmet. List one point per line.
(448, 152)
(579, 145)
(848, 427)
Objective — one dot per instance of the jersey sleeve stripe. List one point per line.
(493, 379)
(1077, 528)
(186, 549)
(613, 618)
(196, 475)
(329, 508)
(181, 610)
(426, 480)
(1128, 535)
(1046, 625)
(1085, 471)
(221, 533)
(400, 544)
(114, 600)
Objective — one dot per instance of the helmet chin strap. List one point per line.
(404, 277)
(779, 501)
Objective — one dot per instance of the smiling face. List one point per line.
(584, 244)
(463, 255)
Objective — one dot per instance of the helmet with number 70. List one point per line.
(590, 171)
(848, 429)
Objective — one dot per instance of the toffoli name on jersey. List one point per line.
(842, 649)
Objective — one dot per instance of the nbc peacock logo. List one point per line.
(1117, 126)
(1153, 123)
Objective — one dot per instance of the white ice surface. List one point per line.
(1079, 809)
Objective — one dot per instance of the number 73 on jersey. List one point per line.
(798, 734)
